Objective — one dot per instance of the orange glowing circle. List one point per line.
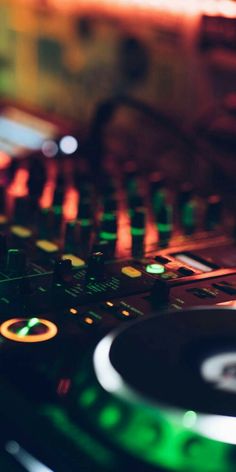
(28, 338)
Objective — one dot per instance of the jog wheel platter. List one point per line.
(163, 390)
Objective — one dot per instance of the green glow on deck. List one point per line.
(137, 231)
(108, 236)
(155, 269)
(23, 331)
(88, 397)
(189, 419)
(110, 416)
(189, 214)
(32, 322)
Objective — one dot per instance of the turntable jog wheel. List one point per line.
(163, 390)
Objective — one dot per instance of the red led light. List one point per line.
(70, 206)
(46, 198)
(18, 187)
(63, 386)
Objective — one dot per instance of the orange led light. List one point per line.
(18, 187)
(46, 198)
(70, 205)
(109, 304)
(125, 313)
(28, 338)
(88, 320)
(73, 311)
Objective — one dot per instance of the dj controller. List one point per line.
(117, 295)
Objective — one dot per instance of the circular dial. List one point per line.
(150, 391)
(160, 359)
(28, 330)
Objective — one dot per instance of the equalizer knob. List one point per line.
(3, 250)
(62, 272)
(2, 199)
(95, 266)
(138, 221)
(213, 212)
(164, 224)
(159, 295)
(37, 178)
(16, 262)
(22, 211)
(187, 208)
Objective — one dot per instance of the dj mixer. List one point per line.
(117, 289)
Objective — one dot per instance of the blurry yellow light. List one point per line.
(110, 304)
(73, 311)
(88, 320)
(125, 313)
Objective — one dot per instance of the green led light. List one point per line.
(108, 236)
(57, 210)
(89, 445)
(137, 231)
(159, 201)
(109, 217)
(155, 269)
(32, 322)
(164, 227)
(155, 436)
(23, 331)
(88, 397)
(110, 416)
(189, 419)
(189, 214)
(85, 222)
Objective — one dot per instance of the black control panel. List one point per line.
(84, 252)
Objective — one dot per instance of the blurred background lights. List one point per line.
(68, 144)
(5, 160)
(49, 148)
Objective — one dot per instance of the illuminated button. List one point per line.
(155, 269)
(31, 330)
(125, 314)
(21, 231)
(131, 272)
(108, 305)
(46, 246)
(75, 261)
(73, 311)
(90, 319)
